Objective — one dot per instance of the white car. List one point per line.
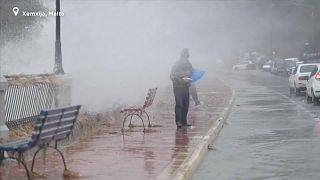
(313, 86)
(290, 63)
(267, 66)
(241, 65)
(299, 77)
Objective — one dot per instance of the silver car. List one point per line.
(313, 86)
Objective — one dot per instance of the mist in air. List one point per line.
(116, 50)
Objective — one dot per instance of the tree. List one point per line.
(14, 28)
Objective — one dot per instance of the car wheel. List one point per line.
(297, 91)
(309, 99)
(291, 90)
(315, 100)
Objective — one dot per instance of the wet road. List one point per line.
(270, 134)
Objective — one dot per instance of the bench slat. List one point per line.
(18, 145)
(59, 136)
(51, 132)
(57, 117)
(59, 110)
(52, 125)
(63, 122)
(48, 119)
(150, 97)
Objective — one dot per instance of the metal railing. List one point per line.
(24, 101)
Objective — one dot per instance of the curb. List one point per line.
(192, 161)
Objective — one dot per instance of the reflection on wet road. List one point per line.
(109, 153)
(270, 133)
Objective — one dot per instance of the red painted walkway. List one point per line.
(110, 154)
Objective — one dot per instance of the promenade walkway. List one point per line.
(164, 152)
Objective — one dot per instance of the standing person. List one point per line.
(181, 79)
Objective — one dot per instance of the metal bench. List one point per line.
(139, 111)
(51, 126)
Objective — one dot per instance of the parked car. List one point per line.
(293, 68)
(251, 66)
(281, 67)
(290, 63)
(313, 86)
(278, 66)
(299, 62)
(261, 60)
(267, 66)
(242, 65)
(273, 68)
(299, 77)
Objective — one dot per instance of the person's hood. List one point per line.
(184, 53)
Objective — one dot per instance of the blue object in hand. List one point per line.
(196, 74)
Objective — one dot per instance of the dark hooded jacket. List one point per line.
(182, 68)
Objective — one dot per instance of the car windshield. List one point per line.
(281, 64)
(307, 68)
(290, 63)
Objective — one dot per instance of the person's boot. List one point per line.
(187, 124)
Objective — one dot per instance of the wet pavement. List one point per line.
(111, 154)
(270, 133)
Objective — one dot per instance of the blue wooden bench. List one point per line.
(51, 126)
(139, 111)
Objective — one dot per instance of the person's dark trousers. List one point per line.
(194, 94)
(181, 95)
